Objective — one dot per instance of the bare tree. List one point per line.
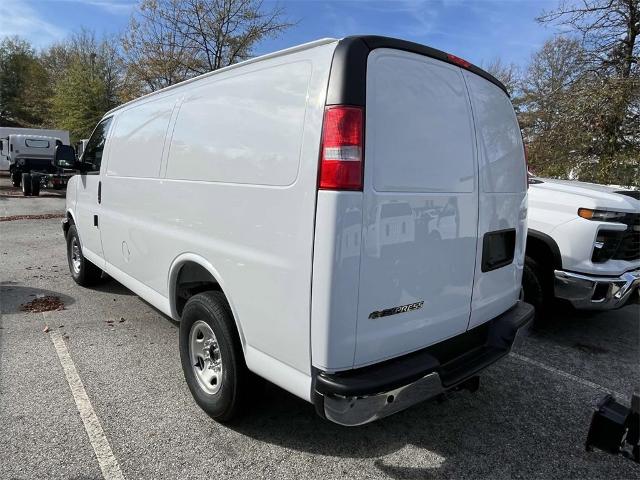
(171, 40)
(156, 55)
(609, 31)
(602, 103)
(508, 74)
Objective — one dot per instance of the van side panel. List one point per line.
(130, 223)
(336, 275)
(240, 192)
(503, 199)
(242, 128)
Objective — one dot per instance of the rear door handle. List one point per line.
(99, 192)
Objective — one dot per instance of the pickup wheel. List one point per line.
(26, 184)
(84, 272)
(537, 288)
(211, 355)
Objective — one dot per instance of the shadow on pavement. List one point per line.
(521, 420)
(13, 295)
(109, 285)
(592, 332)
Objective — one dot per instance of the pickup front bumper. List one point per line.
(359, 396)
(594, 292)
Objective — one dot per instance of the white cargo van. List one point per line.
(274, 209)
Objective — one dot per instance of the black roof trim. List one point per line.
(347, 82)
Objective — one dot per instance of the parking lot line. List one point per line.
(107, 461)
(570, 376)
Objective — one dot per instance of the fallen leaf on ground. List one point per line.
(43, 304)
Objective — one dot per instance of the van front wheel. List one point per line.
(84, 272)
(211, 355)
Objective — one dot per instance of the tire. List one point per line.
(220, 391)
(16, 179)
(84, 272)
(26, 184)
(35, 185)
(538, 288)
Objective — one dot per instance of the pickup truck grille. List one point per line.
(629, 247)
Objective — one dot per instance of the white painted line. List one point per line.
(570, 376)
(106, 459)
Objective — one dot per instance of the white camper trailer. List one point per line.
(63, 135)
(31, 162)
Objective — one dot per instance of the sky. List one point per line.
(477, 30)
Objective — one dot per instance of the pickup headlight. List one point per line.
(600, 215)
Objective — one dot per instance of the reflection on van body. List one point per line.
(394, 226)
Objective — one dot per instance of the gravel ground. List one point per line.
(528, 420)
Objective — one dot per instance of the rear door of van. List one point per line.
(502, 228)
(420, 206)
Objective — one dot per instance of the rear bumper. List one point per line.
(360, 396)
(594, 292)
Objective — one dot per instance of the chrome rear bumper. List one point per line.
(596, 292)
(363, 395)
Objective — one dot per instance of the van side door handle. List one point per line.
(99, 192)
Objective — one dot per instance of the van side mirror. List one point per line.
(65, 157)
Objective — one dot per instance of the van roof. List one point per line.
(350, 48)
(286, 51)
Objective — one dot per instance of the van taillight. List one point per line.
(341, 149)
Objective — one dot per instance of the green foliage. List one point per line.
(87, 83)
(24, 92)
(79, 101)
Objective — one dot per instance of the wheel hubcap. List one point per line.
(76, 255)
(206, 360)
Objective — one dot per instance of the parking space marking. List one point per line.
(107, 461)
(562, 373)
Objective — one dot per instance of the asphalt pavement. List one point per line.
(528, 420)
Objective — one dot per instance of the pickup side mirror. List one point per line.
(65, 157)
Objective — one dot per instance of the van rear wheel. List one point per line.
(84, 272)
(211, 355)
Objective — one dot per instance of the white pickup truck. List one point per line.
(583, 245)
